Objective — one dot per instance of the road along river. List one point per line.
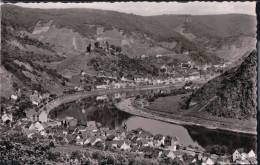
(128, 106)
(79, 95)
(89, 109)
(188, 134)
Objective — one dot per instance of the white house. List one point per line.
(103, 97)
(87, 141)
(171, 155)
(78, 88)
(117, 85)
(251, 154)
(158, 55)
(236, 155)
(125, 147)
(14, 97)
(143, 56)
(194, 160)
(36, 126)
(159, 143)
(7, 118)
(200, 156)
(83, 73)
(92, 124)
(209, 162)
(159, 154)
(116, 138)
(102, 86)
(174, 143)
(43, 117)
(35, 98)
(186, 52)
(123, 79)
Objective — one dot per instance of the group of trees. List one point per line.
(217, 149)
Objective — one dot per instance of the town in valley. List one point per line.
(96, 86)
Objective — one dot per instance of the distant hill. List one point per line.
(70, 30)
(234, 91)
(57, 39)
(223, 25)
(227, 36)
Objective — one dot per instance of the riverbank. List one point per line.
(128, 106)
(79, 95)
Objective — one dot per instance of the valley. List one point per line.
(90, 86)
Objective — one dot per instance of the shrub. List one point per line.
(53, 156)
(75, 155)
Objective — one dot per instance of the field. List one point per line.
(168, 104)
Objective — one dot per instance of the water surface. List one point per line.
(106, 113)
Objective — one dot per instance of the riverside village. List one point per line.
(102, 85)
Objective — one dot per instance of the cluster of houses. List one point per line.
(244, 158)
(93, 134)
(35, 97)
(7, 118)
(141, 81)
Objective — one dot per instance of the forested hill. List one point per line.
(235, 91)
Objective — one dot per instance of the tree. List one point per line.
(75, 155)
(217, 149)
(96, 45)
(51, 144)
(118, 49)
(107, 45)
(89, 48)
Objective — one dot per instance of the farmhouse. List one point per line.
(236, 156)
(32, 115)
(43, 116)
(7, 118)
(102, 86)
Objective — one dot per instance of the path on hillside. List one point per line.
(205, 105)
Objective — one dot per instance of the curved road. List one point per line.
(128, 106)
(72, 97)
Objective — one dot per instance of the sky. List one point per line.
(157, 8)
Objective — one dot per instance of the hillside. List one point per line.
(69, 31)
(36, 65)
(215, 26)
(34, 40)
(21, 57)
(114, 66)
(228, 36)
(232, 94)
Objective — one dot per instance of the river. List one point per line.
(106, 113)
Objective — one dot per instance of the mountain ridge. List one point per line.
(157, 30)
